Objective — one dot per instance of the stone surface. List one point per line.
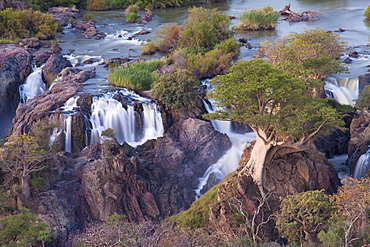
(53, 66)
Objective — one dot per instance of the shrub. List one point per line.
(87, 17)
(363, 101)
(367, 12)
(131, 17)
(149, 48)
(169, 36)
(132, 9)
(25, 24)
(96, 5)
(136, 76)
(258, 19)
(204, 29)
(176, 90)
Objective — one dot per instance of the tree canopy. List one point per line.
(311, 54)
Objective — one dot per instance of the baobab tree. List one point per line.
(278, 107)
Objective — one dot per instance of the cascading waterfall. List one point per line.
(229, 162)
(34, 85)
(107, 112)
(345, 91)
(362, 166)
(68, 110)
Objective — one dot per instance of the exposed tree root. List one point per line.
(308, 15)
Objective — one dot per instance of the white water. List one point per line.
(229, 162)
(107, 112)
(80, 59)
(363, 166)
(69, 109)
(33, 86)
(345, 91)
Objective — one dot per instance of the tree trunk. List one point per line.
(26, 187)
(310, 239)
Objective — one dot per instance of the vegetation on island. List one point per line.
(363, 101)
(258, 19)
(367, 13)
(20, 24)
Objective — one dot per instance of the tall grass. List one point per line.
(138, 76)
(131, 17)
(258, 19)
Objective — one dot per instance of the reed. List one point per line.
(131, 17)
(258, 19)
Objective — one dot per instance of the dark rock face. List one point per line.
(363, 81)
(41, 57)
(53, 66)
(334, 144)
(15, 65)
(151, 182)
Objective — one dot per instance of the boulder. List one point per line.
(41, 57)
(53, 66)
(62, 15)
(15, 65)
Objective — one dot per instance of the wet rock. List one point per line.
(347, 60)
(55, 49)
(15, 65)
(353, 54)
(53, 66)
(143, 32)
(115, 60)
(41, 57)
(33, 43)
(340, 30)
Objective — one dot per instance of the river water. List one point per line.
(344, 14)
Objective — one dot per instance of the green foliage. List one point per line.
(87, 17)
(41, 131)
(363, 101)
(258, 19)
(311, 54)
(149, 48)
(15, 24)
(168, 36)
(148, 4)
(132, 9)
(177, 90)
(367, 12)
(203, 29)
(22, 229)
(339, 107)
(272, 101)
(138, 76)
(5, 200)
(335, 235)
(303, 215)
(131, 17)
(197, 215)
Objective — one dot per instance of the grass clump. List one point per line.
(367, 13)
(132, 9)
(197, 215)
(138, 76)
(258, 19)
(21, 24)
(177, 90)
(131, 17)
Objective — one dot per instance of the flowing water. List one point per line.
(34, 85)
(362, 166)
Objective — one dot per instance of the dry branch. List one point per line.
(308, 15)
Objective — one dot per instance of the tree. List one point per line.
(311, 54)
(279, 108)
(20, 156)
(353, 200)
(303, 215)
(22, 229)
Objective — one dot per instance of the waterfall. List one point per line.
(342, 90)
(129, 125)
(68, 110)
(229, 162)
(34, 85)
(362, 166)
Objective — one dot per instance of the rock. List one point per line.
(15, 65)
(363, 81)
(41, 57)
(143, 32)
(53, 66)
(340, 30)
(33, 43)
(115, 60)
(334, 144)
(55, 49)
(353, 54)
(88, 27)
(62, 15)
(347, 60)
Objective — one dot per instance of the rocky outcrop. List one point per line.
(15, 65)
(287, 175)
(62, 15)
(151, 182)
(363, 81)
(53, 66)
(43, 106)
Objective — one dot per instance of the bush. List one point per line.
(204, 29)
(132, 9)
(367, 12)
(176, 90)
(169, 36)
(363, 101)
(149, 48)
(138, 76)
(87, 17)
(22, 24)
(131, 17)
(258, 19)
